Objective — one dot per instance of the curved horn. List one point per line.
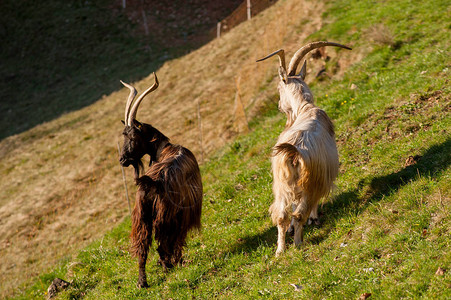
(281, 54)
(134, 109)
(299, 55)
(129, 100)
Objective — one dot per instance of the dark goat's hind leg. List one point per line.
(141, 236)
(142, 279)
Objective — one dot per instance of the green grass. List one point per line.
(386, 229)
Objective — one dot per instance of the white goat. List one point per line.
(305, 158)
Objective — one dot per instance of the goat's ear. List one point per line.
(303, 70)
(283, 74)
(137, 124)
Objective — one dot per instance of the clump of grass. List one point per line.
(379, 34)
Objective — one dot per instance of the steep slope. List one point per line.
(386, 230)
(62, 185)
(389, 219)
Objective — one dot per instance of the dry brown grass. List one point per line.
(61, 183)
(380, 34)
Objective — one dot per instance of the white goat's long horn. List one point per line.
(299, 55)
(129, 100)
(281, 54)
(135, 106)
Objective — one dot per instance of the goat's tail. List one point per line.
(295, 162)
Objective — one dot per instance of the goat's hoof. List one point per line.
(314, 221)
(279, 252)
(291, 230)
(142, 284)
(166, 265)
(297, 245)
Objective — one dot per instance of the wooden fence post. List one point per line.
(199, 123)
(249, 9)
(218, 30)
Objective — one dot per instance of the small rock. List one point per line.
(368, 270)
(353, 86)
(342, 245)
(56, 286)
(297, 287)
(440, 271)
(425, 233)
(364, 296)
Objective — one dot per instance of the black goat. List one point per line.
(169, 197)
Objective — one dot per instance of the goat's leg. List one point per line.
(298, 232)
(141, 235)
(142, 278)
(291, 228)
(165, 256)
(165, 234)
(313, 218)
(300, 216)
(282, 226)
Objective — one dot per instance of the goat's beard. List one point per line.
(138, 165)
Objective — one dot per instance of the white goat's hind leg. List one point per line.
(313, 218)
(298, 232)
(291, 228)
(282, 229)
(300, 216)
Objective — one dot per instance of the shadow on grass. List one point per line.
(250, 243)
(432, 163)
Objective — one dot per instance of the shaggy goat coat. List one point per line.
(305, 158)
(169, 197)
(169, 203)
(304, 161)
(304, 164)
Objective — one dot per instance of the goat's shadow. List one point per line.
(432, 163)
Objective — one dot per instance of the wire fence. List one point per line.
(246, 10)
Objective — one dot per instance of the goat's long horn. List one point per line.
(129, 100)
(299, 55)
(135, 106)
(281, 54)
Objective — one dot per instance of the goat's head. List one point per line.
(292, 88)
(139, 138)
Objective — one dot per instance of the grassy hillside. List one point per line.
(62, 186)
(386, 229)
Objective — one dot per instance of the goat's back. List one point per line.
(178, 172)
(313, 139)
